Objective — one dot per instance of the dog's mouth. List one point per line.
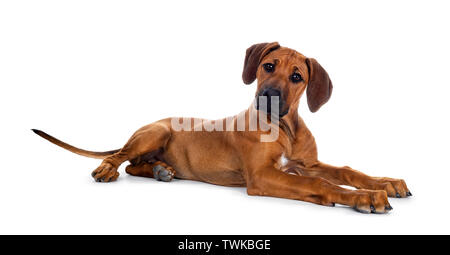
(270, 101)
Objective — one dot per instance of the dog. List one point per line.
(286, 166)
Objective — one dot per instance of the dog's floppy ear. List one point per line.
(319, 86)
(253, 57)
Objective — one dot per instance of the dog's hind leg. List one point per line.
(147, 139)
(158, 170)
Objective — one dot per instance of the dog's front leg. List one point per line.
(348, 176)
(275, 183)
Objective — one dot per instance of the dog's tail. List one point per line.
(91, 154)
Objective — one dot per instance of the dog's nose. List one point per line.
(268, 93)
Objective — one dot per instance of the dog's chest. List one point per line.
(282, 162)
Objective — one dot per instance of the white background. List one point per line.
(92, 72)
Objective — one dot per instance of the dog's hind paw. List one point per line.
(105, 173)
(164, 174)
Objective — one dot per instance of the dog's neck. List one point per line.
(288, 123)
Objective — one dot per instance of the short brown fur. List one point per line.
(240, 159)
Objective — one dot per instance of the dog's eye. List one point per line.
(296, 77)
(269, 67)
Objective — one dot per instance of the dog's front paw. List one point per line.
(372, 201)
(106, 172)
(393, 187)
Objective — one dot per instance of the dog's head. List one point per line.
(285, 73)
